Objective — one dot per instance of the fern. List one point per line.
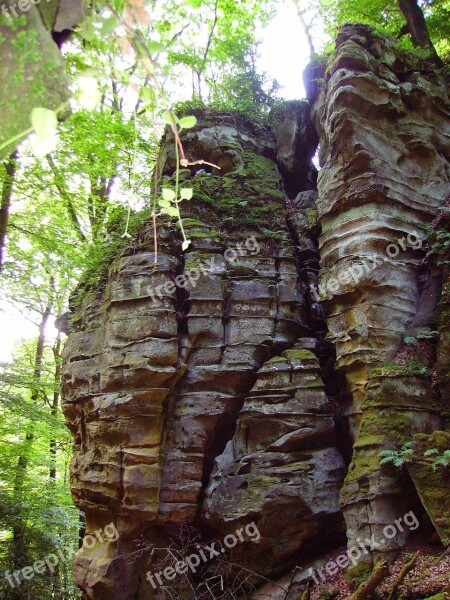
(441, 461)
(431, 451)
(397, 457)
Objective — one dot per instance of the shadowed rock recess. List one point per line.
(242, 394)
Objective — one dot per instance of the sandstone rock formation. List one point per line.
(383, 121)
(201, 386)
(383, 124)
(282, 458)
(155, 381)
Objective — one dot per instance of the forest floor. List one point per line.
(430, 576)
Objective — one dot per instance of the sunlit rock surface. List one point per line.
(383, 123)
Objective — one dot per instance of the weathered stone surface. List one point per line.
(296, 144)
(375, 495)
(383, 123)
(281, 467)
(154, 379)
(432, 482)
(215, 402)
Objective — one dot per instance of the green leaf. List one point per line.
(410, 340)
(155, 47)
(89, 93)
(122, 76)
(163, 203)
(171, 211)
(108, 25)
(147, 94)
(185, 245)
(431, 451)
(187, 122)
(150, 98)
(44, 121)
(186, 193)
(168, 194)
(166, 116)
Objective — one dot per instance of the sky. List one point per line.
(284, 54)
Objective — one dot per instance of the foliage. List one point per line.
(397, 457)
(441, 460)
(44, 514)
(406, 455)
(385, 16)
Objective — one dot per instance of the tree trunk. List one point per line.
(366, 589)
(418, 28)
(55, 405)
(19, 526)
(8, 183)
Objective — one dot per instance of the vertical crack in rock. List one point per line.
(284, 448)
(297, 142)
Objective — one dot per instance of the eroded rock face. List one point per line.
(383, 122)
(430, 478)
(157, 376)
(382, 119)
(282, 464)
(375, 495)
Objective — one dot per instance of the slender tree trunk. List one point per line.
(306, 30)
(19, 526)
(55, 405)
(418, 28)
(8, 184)
(65, 195)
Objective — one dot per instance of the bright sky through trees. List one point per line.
(284, 51)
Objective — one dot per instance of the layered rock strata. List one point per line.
(281, 467)
(383, 123)
(163, 358)
(201, 386)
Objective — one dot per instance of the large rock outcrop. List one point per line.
(201, 386)
(159, 369)
(382, 118)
